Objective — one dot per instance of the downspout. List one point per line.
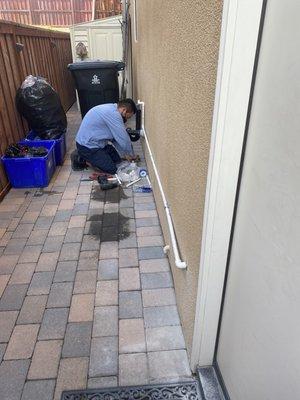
(178, 262)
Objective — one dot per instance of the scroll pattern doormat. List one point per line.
(176, 391)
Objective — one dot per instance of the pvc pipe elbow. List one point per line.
(180, 264)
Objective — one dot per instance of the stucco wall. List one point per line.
(174, 72)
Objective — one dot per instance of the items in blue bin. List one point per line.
(17, 150)
(59, 148)
(40, 105)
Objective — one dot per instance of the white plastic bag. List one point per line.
(128, 171)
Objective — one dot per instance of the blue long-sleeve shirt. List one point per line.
(103, 124)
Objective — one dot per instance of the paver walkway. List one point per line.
(87, 297)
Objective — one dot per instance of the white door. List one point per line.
(106, 43)
(258, 349)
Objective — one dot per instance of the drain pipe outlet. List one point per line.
(178, 262)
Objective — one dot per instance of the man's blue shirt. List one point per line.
(103, 124)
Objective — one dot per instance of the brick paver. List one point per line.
(165, 365)
(7, 323)
(132, 336)
(8, 263)
(128, 258)
(12, 297)
(109, 250)
(88, 260)
(12, 378)
(156, 265)
(108, 269)
(85, 282)
(161, 316)
(77, 340)
(45, 360)
(151, 252)
(102, 382)
(22, 273)
(130, 304)
(47, 261)
(107, 293)
(54, 324)
(86, 292)
(32, 310)
(133, 369)
(156, 280)
(40, 283)
(60, 295)
(72, 374)
(104, 356)
(3, 282)
(39, 390)
(164, 338)
(65, 271)
(22, 342)
(106, 321)
(82, 308)
(129, 279)
(158, 297)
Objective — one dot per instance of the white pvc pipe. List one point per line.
(93, 10)
(178, 262)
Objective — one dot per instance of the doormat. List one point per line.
(174, 391)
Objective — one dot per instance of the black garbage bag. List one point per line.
(40, 105)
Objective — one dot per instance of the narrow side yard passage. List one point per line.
(87, 297)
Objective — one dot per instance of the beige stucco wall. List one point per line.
(174, 72)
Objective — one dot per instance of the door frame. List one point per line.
(241, 23)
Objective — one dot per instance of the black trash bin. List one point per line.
(96, 82)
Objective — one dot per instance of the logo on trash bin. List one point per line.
(95, 80)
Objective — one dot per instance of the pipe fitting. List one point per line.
(166, 249)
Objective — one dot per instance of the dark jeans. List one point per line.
(104, 159)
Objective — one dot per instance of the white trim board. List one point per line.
(239, 34)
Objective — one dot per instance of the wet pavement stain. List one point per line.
(111, 196)
(95, 228)
(95, 217)
(42, 192)
(97, 193)
(109, 227)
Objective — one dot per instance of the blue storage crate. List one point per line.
(59, 149)
(29, 172)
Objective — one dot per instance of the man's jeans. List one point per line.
(104, 159)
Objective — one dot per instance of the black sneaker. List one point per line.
(77, 162)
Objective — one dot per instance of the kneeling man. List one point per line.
(103, 124)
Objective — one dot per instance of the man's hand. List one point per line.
(129, 158)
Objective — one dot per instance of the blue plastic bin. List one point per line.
(29, 172)
(60, 147)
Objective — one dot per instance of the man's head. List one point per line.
(126, 108)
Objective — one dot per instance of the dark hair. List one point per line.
(129, 104)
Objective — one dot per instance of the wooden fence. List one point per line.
(25, 51)
(57, 12)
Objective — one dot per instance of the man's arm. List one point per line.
(118, 131)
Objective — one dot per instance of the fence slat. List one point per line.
(56, 12)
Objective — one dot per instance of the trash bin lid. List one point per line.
(97, 64)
